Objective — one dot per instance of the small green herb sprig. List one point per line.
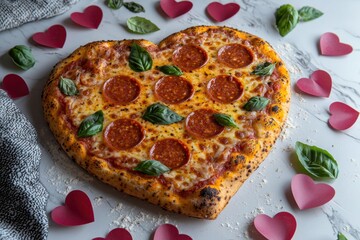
(171, 70)
(317, 162)
(256, 103)
(22, 57)
(152, 168)
(91, 125)
(131, 6)
(68, 87)
(139, 59)
(141, 25)
(264, 69)
(160, 114)
(225, 120)
(287, 17)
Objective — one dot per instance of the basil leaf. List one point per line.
(158, 113)
(115, 4)
(317, 162)
(22, 57)
(141, 25)
(225, 120)
(309, 13)
(341, 236)
(152, 168)
(134, 7)
(256, 103)
(68, 87)
(91, 125)
(286, 19)
(264, 69)
(170, 70)
(139, 59)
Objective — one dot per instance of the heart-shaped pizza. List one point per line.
(181, 124)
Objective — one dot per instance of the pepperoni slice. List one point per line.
(171, 152)
(173, 89)
(235, 56)
(123, 134)
(189, 57)
(202, 124)
(121, 90)
(224, 89)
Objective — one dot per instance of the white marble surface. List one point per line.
(268, 189)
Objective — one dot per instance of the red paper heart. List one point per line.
(307, 194)
(342, 116)
(15, 86)
(281, 227)
(76, 211)
(220, 12)
(116, 234)
(318, 85)
(174, 9)
(54, 37)
(169, 232)
(330, 45)
(90, 18)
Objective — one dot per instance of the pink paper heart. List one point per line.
(116, 234)
(342, 116)
(90, 18)
(318, 85)
(15, 86)
(330, 45)
(54, 37)
(174, 9)
(220, 12)
(281, 227)
(307, 194)
(76, 211)
(169, 232)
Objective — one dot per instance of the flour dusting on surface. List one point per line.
(287, 53)
(133, 220)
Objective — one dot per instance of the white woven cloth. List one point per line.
(14, 13)
(22, 197)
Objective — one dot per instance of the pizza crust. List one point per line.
(237, 161)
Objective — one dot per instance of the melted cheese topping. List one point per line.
(104, 60)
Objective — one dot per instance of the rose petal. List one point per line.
(220, 12)
(330, 45)
(342, 116)
(307, 194)
(77, 210)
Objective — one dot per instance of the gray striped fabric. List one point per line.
(22, 197)
(14, 13)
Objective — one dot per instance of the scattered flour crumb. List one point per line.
(288, 148)
(134, 220)
(64, 175)
(254, 213)
(98, 200)
(263, 182)
(119, 207)
(246, 235)
(346, 228)
(310, 141)
(287, 52)
(288, 127)
(300, 97)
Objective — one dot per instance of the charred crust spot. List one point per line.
(239, 159)
(275, 108)
(209, 192)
